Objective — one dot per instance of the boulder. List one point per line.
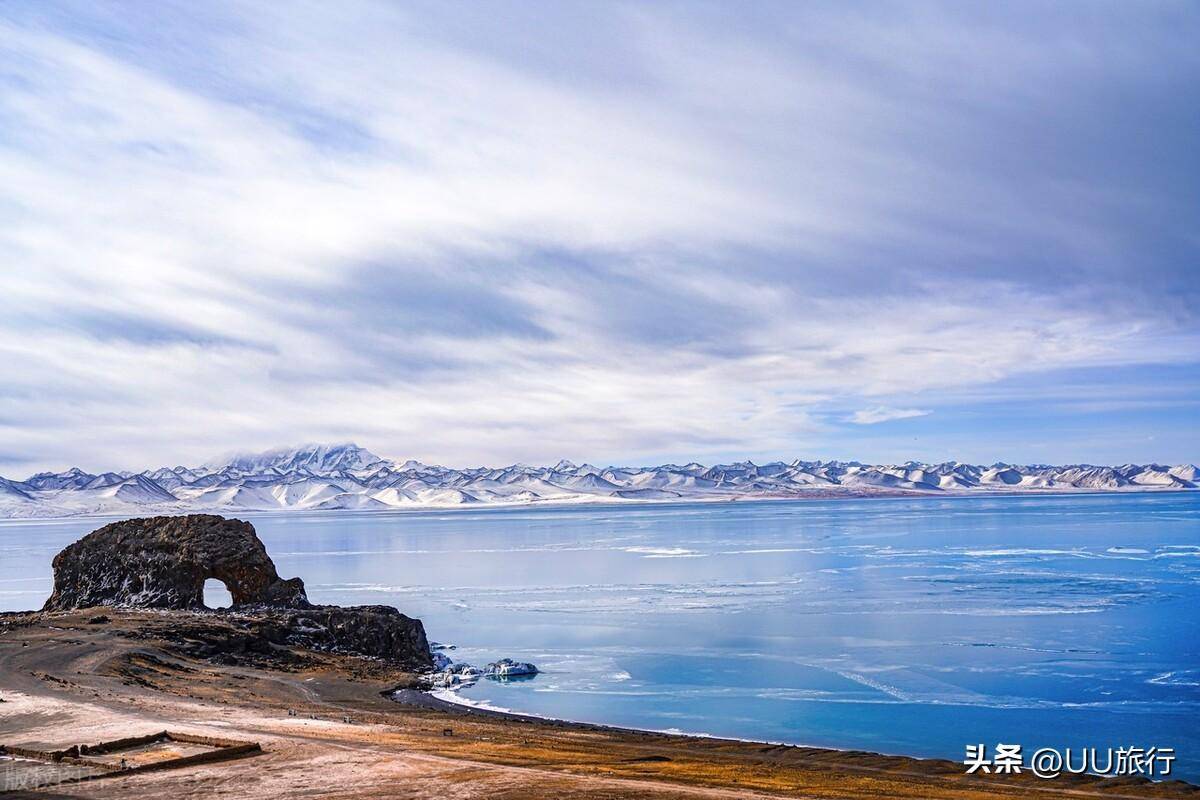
(507, 668)
(448, 674)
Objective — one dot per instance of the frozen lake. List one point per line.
(903, 626)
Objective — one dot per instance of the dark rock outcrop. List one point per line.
(162, 562)
(287, 638)
(376, 631)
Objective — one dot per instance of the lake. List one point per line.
(911, 626)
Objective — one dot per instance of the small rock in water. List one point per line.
(450, 674)
(507, 668)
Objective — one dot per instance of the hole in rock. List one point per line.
(216, 594)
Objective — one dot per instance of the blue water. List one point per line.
(902, 626)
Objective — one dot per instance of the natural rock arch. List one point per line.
(162, 562)
(216, 595)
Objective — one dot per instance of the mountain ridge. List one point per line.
(345, 476)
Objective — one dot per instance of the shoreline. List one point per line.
(429, 698)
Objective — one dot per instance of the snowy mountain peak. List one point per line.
(318, 459)
(346, 476)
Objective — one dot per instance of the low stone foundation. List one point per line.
(111, 759)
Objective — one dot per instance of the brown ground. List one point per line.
(65, 681)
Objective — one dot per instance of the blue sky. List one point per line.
(622, 233)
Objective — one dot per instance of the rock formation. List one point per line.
(266, 634)
(450, 675)
(162, 563)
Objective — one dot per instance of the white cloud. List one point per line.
(873, 416)
(306, 225)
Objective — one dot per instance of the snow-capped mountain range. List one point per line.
(347, 476)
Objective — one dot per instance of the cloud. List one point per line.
(873, 416)
(605, 232)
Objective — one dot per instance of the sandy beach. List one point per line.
(327, 730)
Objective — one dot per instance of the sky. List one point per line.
(625, 233)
